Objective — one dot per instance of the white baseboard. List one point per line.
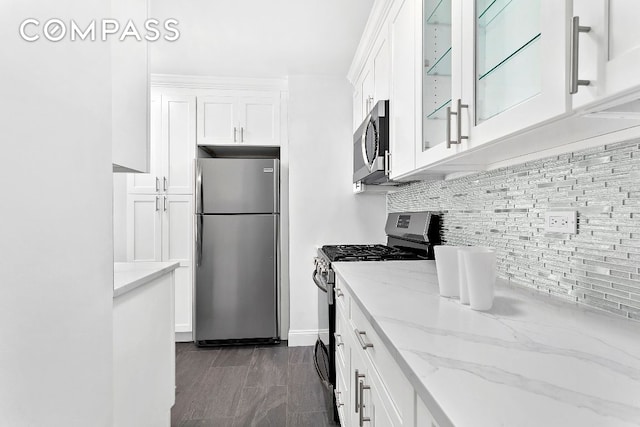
(302, 337)
(184, 336)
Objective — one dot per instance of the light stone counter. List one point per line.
(529, 361)
(127, 276)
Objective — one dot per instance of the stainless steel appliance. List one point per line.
(371, 160)
(237, 221)
(410, 236)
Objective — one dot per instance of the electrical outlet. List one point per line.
(560, 222)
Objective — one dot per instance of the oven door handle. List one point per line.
(318, 282)
(324, 286)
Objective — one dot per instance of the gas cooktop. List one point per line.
(341, 253)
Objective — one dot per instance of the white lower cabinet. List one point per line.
(423, 416)
(160, 203)
(160, 228)
(371, 390)
(144, 355)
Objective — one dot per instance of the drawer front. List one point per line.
(342, 329)
(397, 387)
(342, 297)
(342, 393)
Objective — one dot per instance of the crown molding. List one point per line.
(214, 82)
(375, 24)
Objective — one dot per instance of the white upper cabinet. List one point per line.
(491, 69)
(403, 94)
(608, 49)
(217, 120)
(150, 182)
(489, 82)
(173, 147)
(129, 92)
(178, 148)
(367, 89)
(517, 50)
(260, 119)
(381, 64)
(440, 74)
(372, 84)
(239, 117)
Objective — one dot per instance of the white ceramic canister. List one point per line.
(447, 269)
(480, 267)
(462, 273)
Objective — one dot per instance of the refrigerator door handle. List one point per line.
(276, 186)
(199, 240)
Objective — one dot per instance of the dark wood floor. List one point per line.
(247, 386)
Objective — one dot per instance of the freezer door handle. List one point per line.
(199, 240)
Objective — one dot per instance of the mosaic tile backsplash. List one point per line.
(504, 208)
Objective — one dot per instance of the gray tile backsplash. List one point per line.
(504, 208)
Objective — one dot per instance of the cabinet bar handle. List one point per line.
(164, 183)
(576, 29)
(459, 114)
(449, 114)
(360, 335)
(235, 134)
(363, 419)
(157, 184)
(157, 206)
(357, 377)
(164, 203)
(241, 133)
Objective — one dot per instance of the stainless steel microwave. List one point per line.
(371, 147)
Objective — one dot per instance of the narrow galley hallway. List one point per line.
(274, 386)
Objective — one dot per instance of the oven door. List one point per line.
(324, 350)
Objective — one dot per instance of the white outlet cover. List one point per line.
(561, 221)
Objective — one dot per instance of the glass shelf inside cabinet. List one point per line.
(521, 49)
(442, 66)
(440, 112)
(505, 27)
(508, 56)
(441, 14)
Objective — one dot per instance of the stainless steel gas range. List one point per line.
(410, 236)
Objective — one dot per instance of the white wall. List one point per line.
(56, 253)
(323, 209)
(258, 38)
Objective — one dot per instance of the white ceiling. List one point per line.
(259, 38)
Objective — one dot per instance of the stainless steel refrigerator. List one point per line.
(237, 222)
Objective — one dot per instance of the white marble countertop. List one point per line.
(127, 276)
(529, 361)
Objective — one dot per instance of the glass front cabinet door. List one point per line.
(518, 50)
(441, 80)
(491, 69)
